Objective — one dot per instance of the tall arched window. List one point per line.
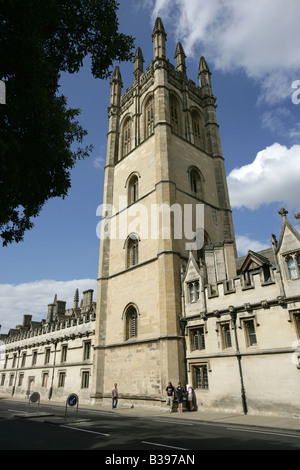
(132, 250)
(174, 114)
(196, 128)
(131, 327)
(149, 114)
(133, 189)
(126, 137)
(196, 182)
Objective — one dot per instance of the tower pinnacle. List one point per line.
(180, 58)
(159, 38)
(138, 64)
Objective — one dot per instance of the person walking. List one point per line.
(180, 395)
(114, 395)
(170, 395)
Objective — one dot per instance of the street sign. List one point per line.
(72, 399)
(34, 397)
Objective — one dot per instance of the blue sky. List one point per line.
(253, 50)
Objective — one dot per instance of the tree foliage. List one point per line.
(39, 40)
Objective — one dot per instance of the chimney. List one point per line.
(26, 321)
(59, 308)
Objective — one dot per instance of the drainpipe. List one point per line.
(53, 369)
(183, 323)
(15, 378)
(233, 316)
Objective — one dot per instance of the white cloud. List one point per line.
(244, 243)
(259, 36)
(273, 176)
(99, 163)
(276, 119)
(33, 298)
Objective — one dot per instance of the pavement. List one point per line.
(209, 417)
(283, 423)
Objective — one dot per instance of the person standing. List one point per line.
(189, 390)
(114, 395)
(180, 395)
(170, 395)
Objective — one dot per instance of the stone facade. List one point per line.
(174, 303)
(53, 357)
(242, 334)
(164, 149)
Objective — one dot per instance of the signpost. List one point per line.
(72, 401)
(34, 398)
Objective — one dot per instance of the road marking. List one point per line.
(85, 430)
(162, 445)
(265, 432)
(18, 411)
(171, 422)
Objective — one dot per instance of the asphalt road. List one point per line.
(166, 438)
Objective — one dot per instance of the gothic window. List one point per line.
(127, 137)
(196, 128)
(293, 264)
(133, 187)
(23, 360)
(132, 251)
(85, 379)
(250, 333)
(131, 319)
(226, 335)
(149, 117)
(45, 377)
(61, 379)
(47, 355)
(194, 291)
(34, 357)
(174, 114)
(198, 339)
(196, 180)
(64, 351)
(87, 346)
(200, 377)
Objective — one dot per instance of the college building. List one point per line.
(174, 301)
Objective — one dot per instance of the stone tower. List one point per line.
(163, 158)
